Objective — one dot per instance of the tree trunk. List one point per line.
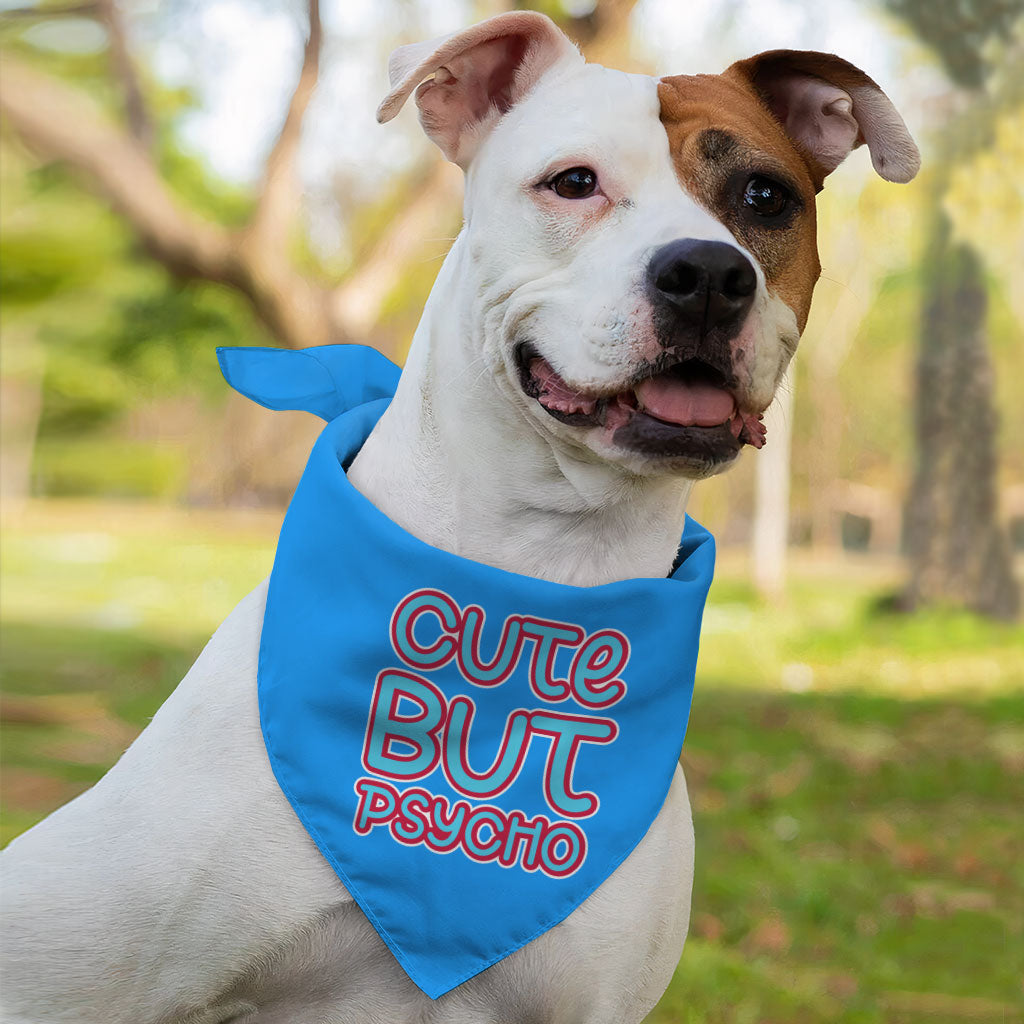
(957, 548)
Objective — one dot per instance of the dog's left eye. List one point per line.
(576, 183)
(765, 197)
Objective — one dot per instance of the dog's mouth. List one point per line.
(683, 408)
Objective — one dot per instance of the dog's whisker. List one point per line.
(471, 365)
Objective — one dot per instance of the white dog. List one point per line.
(633, 275)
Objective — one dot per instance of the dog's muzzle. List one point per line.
(683, 404)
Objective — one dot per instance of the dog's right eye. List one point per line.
(576, 183)
(765, 197)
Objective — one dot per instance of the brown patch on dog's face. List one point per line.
(730, 154)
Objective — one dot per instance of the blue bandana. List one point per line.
(473, 751)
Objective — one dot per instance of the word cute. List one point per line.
(591, 681)
(413, 729)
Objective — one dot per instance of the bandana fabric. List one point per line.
(473, 751)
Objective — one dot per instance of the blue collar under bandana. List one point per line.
(473, 751)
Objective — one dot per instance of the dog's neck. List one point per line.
(457, 464)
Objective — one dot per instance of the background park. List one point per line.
(177, 175)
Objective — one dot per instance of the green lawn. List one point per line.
(857, 777)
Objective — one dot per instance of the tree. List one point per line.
(957, 548)
(60, 123)
(104, 123)
(116, 159)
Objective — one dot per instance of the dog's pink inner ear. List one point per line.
(828, 107)
(465, 81)
(467, 89)
(817, 115)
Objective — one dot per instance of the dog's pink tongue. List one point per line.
(689, 405)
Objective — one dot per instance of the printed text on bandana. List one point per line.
(413, 731)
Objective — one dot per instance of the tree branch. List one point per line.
(83, 10)
(136, 112)
(59, 123)
(609, 42)
(279, 194)
(357, 301)
(602, 33)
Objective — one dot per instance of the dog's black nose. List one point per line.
(708, 284)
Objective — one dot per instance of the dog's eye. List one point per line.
(576, 183)
(765, 197)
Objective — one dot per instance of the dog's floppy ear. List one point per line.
(478, 74)
(828, 107)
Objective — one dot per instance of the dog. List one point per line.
(632, 278)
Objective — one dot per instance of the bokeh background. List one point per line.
(181, 174)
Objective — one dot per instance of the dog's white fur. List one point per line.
(182, 887)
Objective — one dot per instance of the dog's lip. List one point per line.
(711, 410)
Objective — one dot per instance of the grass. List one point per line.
(854, 851)
(857, 778)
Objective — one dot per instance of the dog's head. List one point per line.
(641, 252)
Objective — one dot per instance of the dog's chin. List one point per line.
(689, 451)
(617, 427)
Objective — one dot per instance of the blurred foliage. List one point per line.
(876, 381)
(120, 335)
(118, 331)
(960, 31)
(985, 197)
(112, 466)
(855, 861)
(956, 545)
